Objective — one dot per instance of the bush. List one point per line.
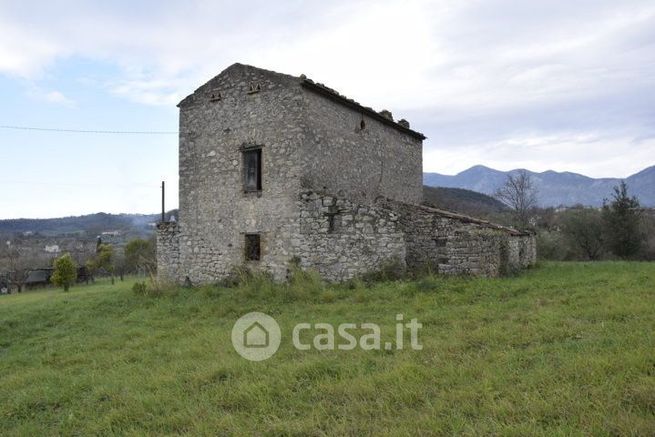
(551, 245)
(65, 272)
(140, 288)
(238, 275)
(583, 230)
(391, 270)
(306, 281)
(154, 288)
(140, 255)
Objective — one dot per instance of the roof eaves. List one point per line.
(469, 219)
(334, 95)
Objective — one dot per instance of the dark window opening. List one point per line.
(252, 170)
(331, 225)
(362, 124)
(332, 219)
(253, 248)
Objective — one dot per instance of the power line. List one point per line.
(87, 131)
(85, 184)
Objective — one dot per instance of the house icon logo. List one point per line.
(256, 336)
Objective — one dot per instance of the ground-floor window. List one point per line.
(253, 247)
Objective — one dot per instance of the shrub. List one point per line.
(65, 272)
(238, 275)
(391, 270)
(551, 245)
(140, 255)
(583, 229)
(329, 296)
(255, 284)
(140, 288)
(306, 281)
(428, 284)
(154, 288)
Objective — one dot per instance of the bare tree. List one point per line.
(17, 265)
(520, 194)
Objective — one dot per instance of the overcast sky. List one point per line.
(562, 85)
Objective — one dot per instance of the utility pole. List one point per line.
(163, 207)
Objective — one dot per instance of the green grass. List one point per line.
(565, 349)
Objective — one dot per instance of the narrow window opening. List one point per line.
(362, 124)
(332, 220)
(252, 170)
(253, 247)
(331, 225)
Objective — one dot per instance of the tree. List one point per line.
(622, 222)
(17, 264)
(583, 228)
(65, 272)
(104, 259)
(140, 255)
(520, 194)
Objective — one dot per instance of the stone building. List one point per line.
(276, 169)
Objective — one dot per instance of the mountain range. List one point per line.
(553, 188)
(90, 225)
(460, 193)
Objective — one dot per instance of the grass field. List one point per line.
(565, 349)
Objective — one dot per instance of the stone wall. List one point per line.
(522, 251)
(451, 243)
(341, 239)
(168, 252)
(359, 164)
(241, 107)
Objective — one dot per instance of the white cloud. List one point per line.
(58, 98)
(54, 97)
(479, 77)
(148, 92)
(22, 54)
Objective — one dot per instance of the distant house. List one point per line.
(54, 248)
(4, 283)
(38, 278)
(110, 237)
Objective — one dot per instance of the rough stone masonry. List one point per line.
(276, 170)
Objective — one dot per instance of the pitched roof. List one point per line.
(38, 276)
(318, 88)
(468, 219)
(350, 103)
